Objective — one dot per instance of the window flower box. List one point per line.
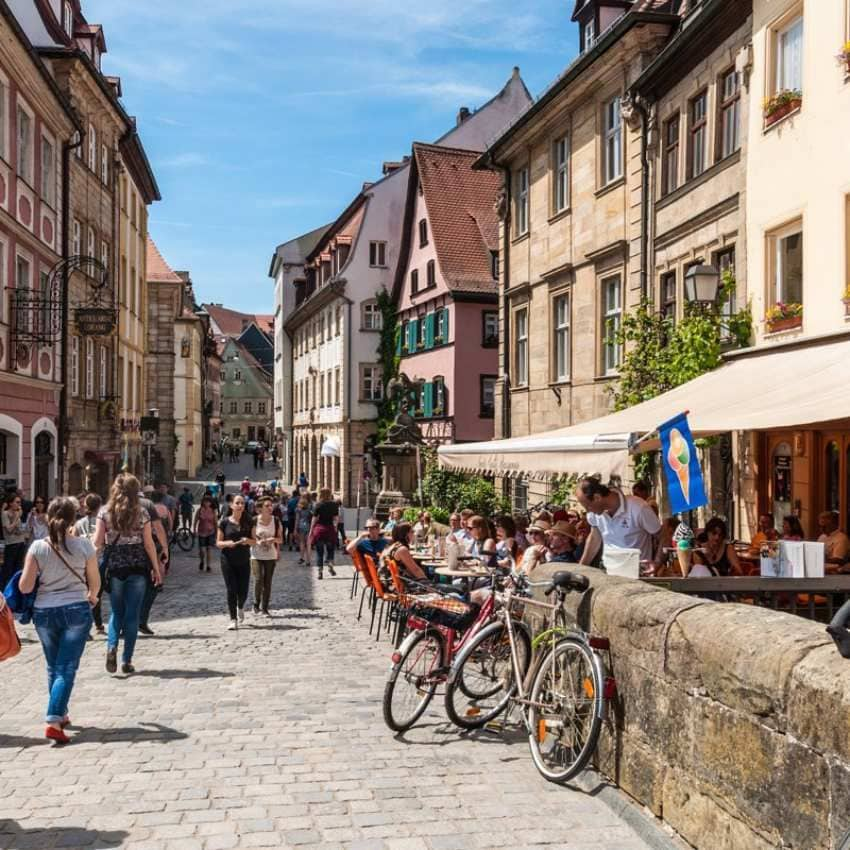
(843, 57)
(784, 317)
(438, 411)
(438, 340)
(780, 105)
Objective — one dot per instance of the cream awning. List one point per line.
(761, 390)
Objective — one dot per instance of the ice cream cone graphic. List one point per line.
(679, 458)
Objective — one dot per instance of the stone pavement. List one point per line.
(267, 737)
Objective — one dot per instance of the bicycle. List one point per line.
(441, 626)
(184, 537)
(567, 701)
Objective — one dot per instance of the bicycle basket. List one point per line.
(447, 612)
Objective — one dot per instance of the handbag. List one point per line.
(10, 643)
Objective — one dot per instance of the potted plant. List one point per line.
(438, 411)
(784, 317)
(438, 340)
(846, 300)
(843, 56)
(780, 104)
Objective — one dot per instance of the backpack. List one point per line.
(10, 644)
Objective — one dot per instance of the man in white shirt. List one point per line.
(616, 519)
(836, 542)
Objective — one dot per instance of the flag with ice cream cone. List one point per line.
(681, 465)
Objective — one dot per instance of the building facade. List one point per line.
(190, 343)
(247, 396)
(164, 306)
(287, 266)
(137, 189)
(571, 234)
(36, 128)
(446, 292)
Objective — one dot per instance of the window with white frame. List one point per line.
(788, 49)
(248, 407)
(423, 232)
(373, 319)
(730, 113)
(670, 166)
(90, 242)
(78, 238)
(104, 254)
(786, 264)
(103, 372)
(612, 139)
(67, 18)
(261, 408)
(561, 156)
(698, 134)
(234, 407)
(522, 186)
(588, 35)
(92, 148)
(377, 254)
(488, 396)
(23, 273)
(337, 385)
(75, 365)
(371, 387)
(25, 151)
(612, 317)
(48, 172)
(561, 342)
(104, 165)
(521, 349)
(489, 328)
(89, 367)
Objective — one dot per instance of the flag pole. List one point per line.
(649, 434)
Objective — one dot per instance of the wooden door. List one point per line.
(834, 475)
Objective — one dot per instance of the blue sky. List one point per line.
(262, 118)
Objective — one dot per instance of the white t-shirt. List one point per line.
(632, 527)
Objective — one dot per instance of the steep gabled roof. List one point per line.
(158, 271)
(461, 215)
(296, 250)
(233, 322)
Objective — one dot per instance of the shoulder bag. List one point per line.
(10, 643)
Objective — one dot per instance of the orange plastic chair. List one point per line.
(384, 596)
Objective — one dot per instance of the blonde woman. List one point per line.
(124, 529)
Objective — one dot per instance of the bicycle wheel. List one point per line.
(413, 679)
(564, 717)
(482, 679)
(185, 539)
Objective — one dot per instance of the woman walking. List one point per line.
(205, 523)
(68, 584)
(268, 538)
(303, 519)
(124, 529)
(234, 541)
(15, 537)
(323, 531)
(37, 520)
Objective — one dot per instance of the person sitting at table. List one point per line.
(717, 553)
(399, 551)
(393, 520)
(791, 528)
(369, 542)
(537, 550)
(562, 544)
(423, 531)
(483, 545)
(506, 546)
(766, 534)
(835, 541)
(521, 535)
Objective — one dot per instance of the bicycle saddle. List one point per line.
(567, 581)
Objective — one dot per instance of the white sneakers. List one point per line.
(241, 614)
(233, 626)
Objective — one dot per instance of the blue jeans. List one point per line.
(63, 632)
(125, 596)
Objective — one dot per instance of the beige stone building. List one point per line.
(571, 236)
(137, 189)
(190, 339)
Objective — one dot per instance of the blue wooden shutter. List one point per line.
(399, 333)
(429, 331)
(412, 332)
(446, 324)
(428, 400)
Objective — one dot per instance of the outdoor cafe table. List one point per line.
(778, 593)
(465, 574)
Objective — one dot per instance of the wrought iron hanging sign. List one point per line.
(94, 321)
(97, 316)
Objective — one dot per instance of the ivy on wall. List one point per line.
(388, 357)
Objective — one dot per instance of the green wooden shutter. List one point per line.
(445, 324)
(399, 332)
(412, 331)
(428, 400)
(429, 330)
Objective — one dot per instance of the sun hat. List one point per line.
(540, 525)
(567, 529)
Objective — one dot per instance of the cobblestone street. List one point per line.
(267, 737)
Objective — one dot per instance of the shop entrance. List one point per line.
(834, 462)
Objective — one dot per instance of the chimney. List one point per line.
(462, 115)
(515, 74)
(389, 167)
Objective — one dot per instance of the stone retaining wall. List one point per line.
(732, 722)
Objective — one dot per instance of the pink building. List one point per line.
(446, 289)
(36, 125)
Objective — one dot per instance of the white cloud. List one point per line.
(190, 159)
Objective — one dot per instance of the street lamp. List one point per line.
(702, 285)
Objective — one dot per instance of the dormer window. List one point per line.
(588, 35)
(95, 57)
(68, 19)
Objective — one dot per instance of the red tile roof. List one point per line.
(233, 323)
(158, 270)
(461, 214)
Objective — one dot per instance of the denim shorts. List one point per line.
(206, 540)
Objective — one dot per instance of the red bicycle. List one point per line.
(440, 628)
